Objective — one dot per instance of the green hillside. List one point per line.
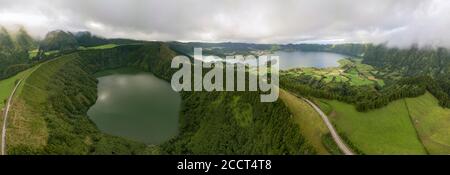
(7, 86)
(308, 120)
(432, 123)
(14, 52)
(49, 115)
(59, 40)
(387, 130)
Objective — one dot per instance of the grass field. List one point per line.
(33, 53)
(311, 125)
(25, 126)
(325, 107)
(105, 46)
(387, 130)
(352, 72)
(432, 123)
(7, 86)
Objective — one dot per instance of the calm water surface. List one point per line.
(289, 60)
(136, 105)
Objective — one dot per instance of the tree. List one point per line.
(6, 43)
(24, 40)
(60, 41)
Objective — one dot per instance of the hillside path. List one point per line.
(339, 142)
(5, 117)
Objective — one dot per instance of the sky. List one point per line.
(395, 22)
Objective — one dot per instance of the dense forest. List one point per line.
(409, 62)
(235, 123)
(429, 66)
(14, 49)
(366, 97)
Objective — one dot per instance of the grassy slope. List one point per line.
(27, 127)
(309, 122)
(432, 123)
(382, 131)
(33, 53)
(105, 46)
(7, 85)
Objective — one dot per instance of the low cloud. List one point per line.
(396, 22)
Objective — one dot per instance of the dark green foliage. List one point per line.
(23, 150)
(350, 144)
(409, 62)
(24, 40)
(330, 144)
(209, 127)
(14, 52)
(364, 97)
(86, 39)
(429, 66)
(6, 42)
(60, 41)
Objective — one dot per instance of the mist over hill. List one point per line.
(398, 23)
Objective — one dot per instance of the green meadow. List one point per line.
(387, 130)
(432, 123)
(351, 71)
(7, 85)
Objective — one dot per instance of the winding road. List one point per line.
(339, 142)
(5, 117)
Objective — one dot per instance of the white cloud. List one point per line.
(398, 22)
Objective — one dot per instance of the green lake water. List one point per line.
(136, 105)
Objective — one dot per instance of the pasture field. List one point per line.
(33, 53)
(6, 88)
(352, 72)
(387, 130)
(432, 123)
(7, 85)
(105, 46)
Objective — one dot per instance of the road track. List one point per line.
(5, 117)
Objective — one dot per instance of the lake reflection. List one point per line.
(289, 60)
(138, 106)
